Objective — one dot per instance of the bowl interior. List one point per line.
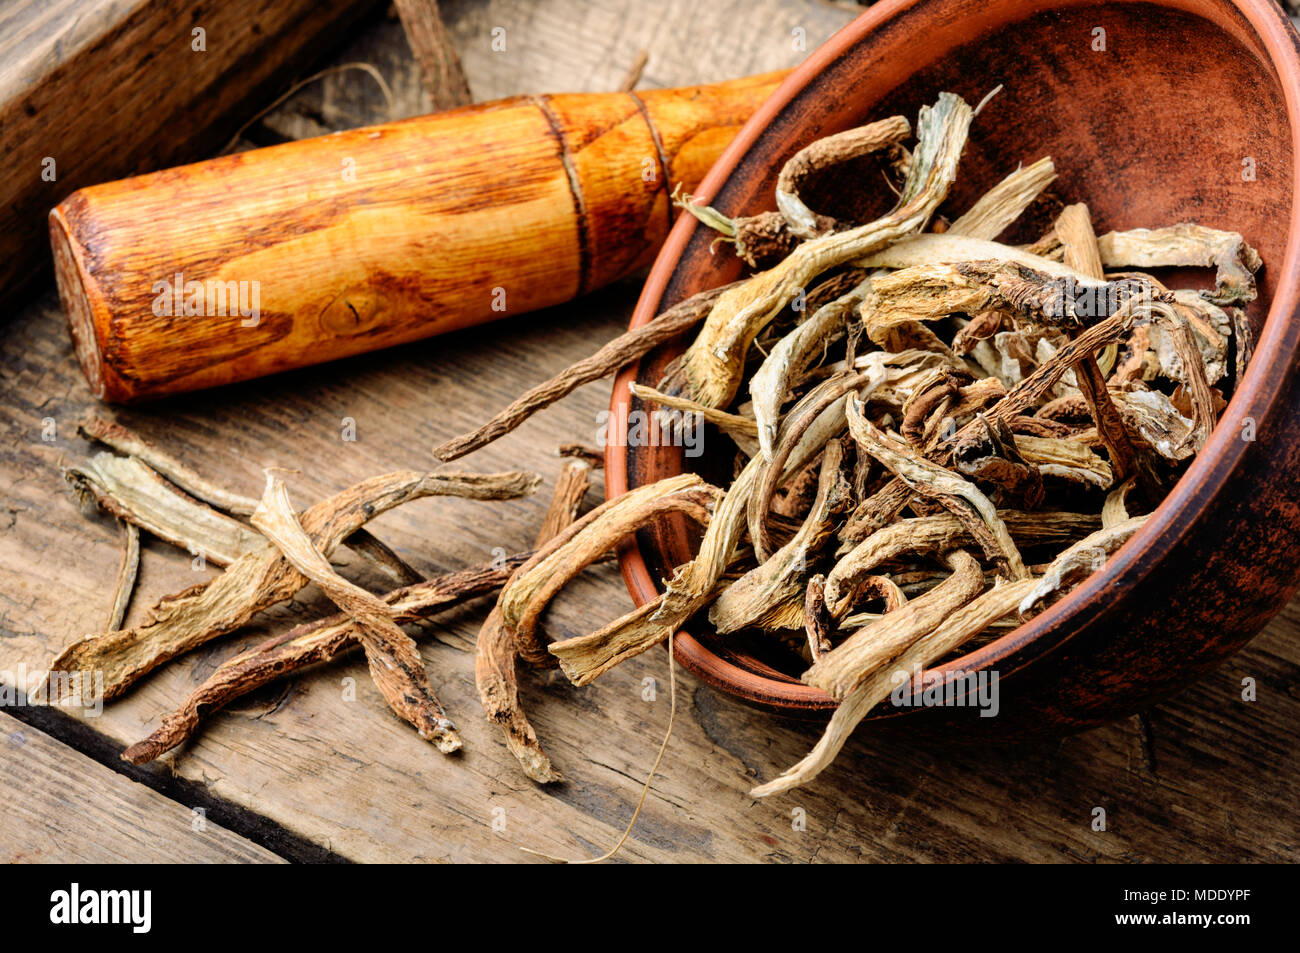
(1154, 113)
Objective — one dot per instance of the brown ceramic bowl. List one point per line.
(1155, 129)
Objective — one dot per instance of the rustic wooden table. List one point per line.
(299, 771)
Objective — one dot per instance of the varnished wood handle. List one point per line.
(305, 252)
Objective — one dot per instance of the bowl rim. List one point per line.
(1172, 518)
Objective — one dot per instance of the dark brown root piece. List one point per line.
(312, 643)
(818, 623)
(624, 349)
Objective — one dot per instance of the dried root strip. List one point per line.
(1078, 562)
(496, 652)
(1021, 398)
(134, 493)
(1068, 458)
(1001, 205)
(393, 658)
(751, 599)
(807, 415)
(527, 595)
(585, 658)
(262, 578)
(711, 369)
(1198, 386)
(497, 680)
(818, 623)
(122, 440)
(845, 667)
(1115, 510)
(744, 430)
(1191, 245)
(959, 496)
(126, 441)
(927, 535)
(950, 248)
(310, 644)
(695, 584)
(1079, 244)
(570, 489)
(622, 350)
(770, 384)
(126, 575)
(929, 292)
(823, 153)
(950, 634)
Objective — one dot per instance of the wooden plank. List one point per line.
(61, 807)
(349, 776)
(98, 91)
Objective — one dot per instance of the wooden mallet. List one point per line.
(277, 258)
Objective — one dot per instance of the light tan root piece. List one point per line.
(751, 599)
(527, 595)
(845, 667)
(1078, 562)
(1193, 245)
(125, 441)
(951, 633)
(498, 690)
(496, 654)
(394, 660)
(1001, 205)
(112, 434)
(770, 384)
(824, 152)
(1115, 510)
(695, 584)
(124, 588)
(134, 493)
(926, 535)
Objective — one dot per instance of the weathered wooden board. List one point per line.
(348, 776)
(91, 91)
(60, 806)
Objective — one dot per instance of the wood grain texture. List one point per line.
(352, 778)
(61, 807)
(115, 87)
(310, 251)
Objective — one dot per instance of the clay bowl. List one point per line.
(1154, 129)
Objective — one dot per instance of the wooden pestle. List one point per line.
(261, 261)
